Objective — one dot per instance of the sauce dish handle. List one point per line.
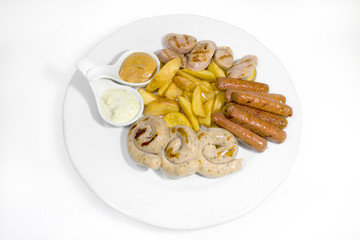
(84, 66)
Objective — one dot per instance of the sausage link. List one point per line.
(243, 85)
(274, 96)
(271, 118)
(253, 100)
(251, 139)
(256, 125)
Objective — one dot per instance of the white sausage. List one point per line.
(147, 139)
(180, 43)
(200, 56)
(218, 149)
(180, 157)
(224, 57)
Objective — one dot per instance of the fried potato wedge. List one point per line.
(196, 81)
(147, 97)
(162, 106)
(215, 69)
(219, 101)
(184, 83)
(208, 106)
(164, 76)
(176, 118)
(197, 104)
(202, 74)
(173, 91)
(187, 109)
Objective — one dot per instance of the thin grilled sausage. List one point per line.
(243, 85)
(274, 96)
(250, 99)
(246, 136)
(256, 124)
(271, 118)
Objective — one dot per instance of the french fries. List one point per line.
(208, 106)
(197, 105)
(173, 91)
(215, 69)
(203, 74)
(196, 81)
(163, 78)
(184, 83)
(176, 118)
(147, 97)
(187, 109)
(162, 106)
(185, 97)
(219, 101)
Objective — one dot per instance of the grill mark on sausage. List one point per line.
(148, 142)
(225, 56)
(176, 40)
(139, 133)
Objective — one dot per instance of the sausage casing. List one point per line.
(256, 124)
(247, 137)
(243, 85)
(274, 96)
(251, 99)
(271, 118)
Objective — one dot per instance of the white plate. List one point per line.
(99, 151)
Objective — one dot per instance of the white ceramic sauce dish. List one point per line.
(100, 86)
(111, 71)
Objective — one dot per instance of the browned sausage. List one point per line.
(255, 124)
(274, 96)
(271, 118)
(243, 85)
(246, 136)
(251, 99)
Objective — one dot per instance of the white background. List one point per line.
(41, 195)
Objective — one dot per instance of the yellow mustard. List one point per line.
(138, 67)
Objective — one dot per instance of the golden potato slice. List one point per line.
(147, 97)
(209, 95)
(215, 69)
(162, 106)
(196, 81)
(176, 118)
(187, 109)
(219, 101)
(208, 106)
(184, 83)
(197, 104)
(163, 88)
(207, 86)
(252, 77)
(203, 74)
(165, 75)
(216, 90)
(173, 92)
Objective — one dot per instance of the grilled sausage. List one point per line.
(274, 96)
(251, 99)
(200, 56)
(243, 68)
(271, 118)
(243, 85)
(247, 137)
(256, 124)
(224, 57)
(180, 43)
(165, 55)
